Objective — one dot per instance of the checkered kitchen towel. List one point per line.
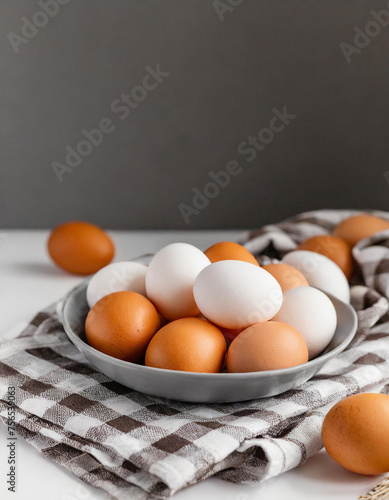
(135, 446)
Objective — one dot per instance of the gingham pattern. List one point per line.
(136, 446)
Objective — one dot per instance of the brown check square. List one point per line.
(171, 443)
(35, 387)
(125, 424)
(76, 403)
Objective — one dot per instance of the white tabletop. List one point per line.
(29, 282)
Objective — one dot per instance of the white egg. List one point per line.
(310, 312)
(236, 294)
(170, 277)
(116, 277)
(320, 272)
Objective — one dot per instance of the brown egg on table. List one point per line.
(287, 276)
(263, 346)
(187, 344)
(358, 227)
(336, 249)
(229, 250)
(121, 325)
(355, 433)
(80, 247)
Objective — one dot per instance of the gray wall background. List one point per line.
(225, 77)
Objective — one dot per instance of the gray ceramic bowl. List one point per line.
(201, 387)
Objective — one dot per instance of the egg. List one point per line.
(287, 276)
(228, 250)
(80, 247)
(187, 344)
(355, 433)
(266, 346)
(311, 313)
(320, 272)
(235, 294)
(116, 277)
(170, 277)
(121, 325)
(332, 247)
(358, 227)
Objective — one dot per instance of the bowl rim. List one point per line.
(319, 360)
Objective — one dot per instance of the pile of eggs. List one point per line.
(217, 310)
(182, 310)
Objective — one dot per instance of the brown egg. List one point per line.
(355, 433)
(121, 325)
(332, 247)
(266, 346)
(187, 344)
(80, 247)
(287, 276)
(228, 250)
(358, 227)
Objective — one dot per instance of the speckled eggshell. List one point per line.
(266, 346)
(355, 433)
(187, 344)
(121, 325)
